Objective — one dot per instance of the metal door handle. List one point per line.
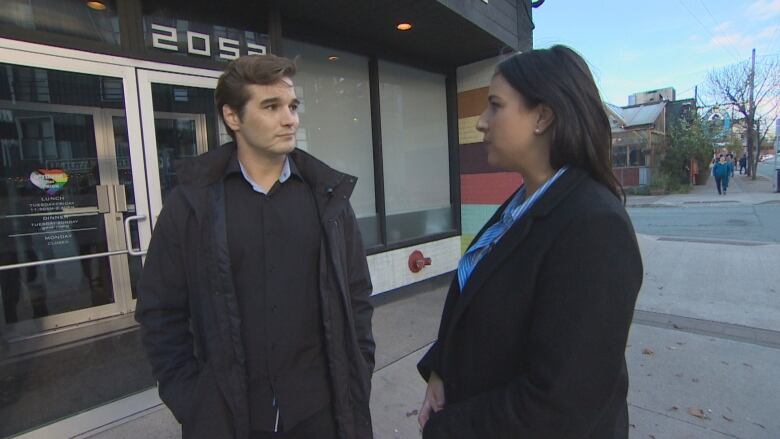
(120, 198)
(104, 204)
(129, 239)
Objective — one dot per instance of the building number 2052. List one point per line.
(167, 38)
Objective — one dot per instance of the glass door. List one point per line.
(179, 121)
(66, 188)
(72, 179)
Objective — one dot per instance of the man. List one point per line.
(254, 299)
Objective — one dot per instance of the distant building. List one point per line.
(651, 96)
(639, 134)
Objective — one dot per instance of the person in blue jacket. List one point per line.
(721, 171)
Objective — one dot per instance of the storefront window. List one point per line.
(639, 155)
(76, 18)
(619, 156)
(634, 156)
(415, 152)
(336, 121)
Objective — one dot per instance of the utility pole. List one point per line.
(751, 116)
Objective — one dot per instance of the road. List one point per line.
(767, 169)
(721, 221)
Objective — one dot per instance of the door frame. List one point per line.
(145, 80)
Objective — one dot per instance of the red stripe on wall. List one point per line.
(491, 188)
(473, 160)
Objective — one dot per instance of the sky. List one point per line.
(638, 45)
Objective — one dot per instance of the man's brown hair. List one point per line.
(246, 70)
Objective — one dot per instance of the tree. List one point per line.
(688, 140)
(730, 87)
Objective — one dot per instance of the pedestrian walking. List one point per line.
(254, 298)
(721, 172)
(742, 164)
(731, 164)
(533, 334)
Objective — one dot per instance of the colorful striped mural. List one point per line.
(483, 187)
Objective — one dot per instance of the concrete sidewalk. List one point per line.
(742, 190)
(700, 340)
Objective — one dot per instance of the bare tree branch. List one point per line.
(730, 86)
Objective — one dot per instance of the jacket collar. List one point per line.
(516, 234)
(332, 189)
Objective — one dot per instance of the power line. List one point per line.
(715, 22)
(714, 40)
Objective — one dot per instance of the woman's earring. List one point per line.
(538, 131)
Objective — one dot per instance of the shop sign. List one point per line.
(47, 222)
(200, 40)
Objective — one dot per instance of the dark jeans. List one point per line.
(717, 183)
(321, 425)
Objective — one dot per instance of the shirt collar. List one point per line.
(288, 170)
(520, 203)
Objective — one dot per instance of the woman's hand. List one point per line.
(434, 399)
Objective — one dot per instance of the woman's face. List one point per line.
(509, 127)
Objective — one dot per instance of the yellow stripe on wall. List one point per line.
(467, 130)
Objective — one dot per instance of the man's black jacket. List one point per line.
(188, 311)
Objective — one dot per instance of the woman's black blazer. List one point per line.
(534, 347)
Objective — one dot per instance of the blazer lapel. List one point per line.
(512, 239)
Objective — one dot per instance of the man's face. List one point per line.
(269, 120)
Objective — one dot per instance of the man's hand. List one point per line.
(434, 399)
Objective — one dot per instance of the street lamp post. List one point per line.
(777, 151)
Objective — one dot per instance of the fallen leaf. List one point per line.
(412, 413)
(673, 409)
(724, 362)
(648, 351)
(695, 380)
(697, 412)
(651, 436)
(747, 365)
(760, 425)
(678, 375)
(680, 343)
(727, 418)
(675, 326)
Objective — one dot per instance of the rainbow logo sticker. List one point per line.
(51, 181)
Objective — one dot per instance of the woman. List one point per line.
(533, 335)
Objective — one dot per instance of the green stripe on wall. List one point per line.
(465, 241)
(474, 216)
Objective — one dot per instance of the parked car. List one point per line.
(765, 157)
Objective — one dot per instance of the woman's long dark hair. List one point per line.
(560, 78)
